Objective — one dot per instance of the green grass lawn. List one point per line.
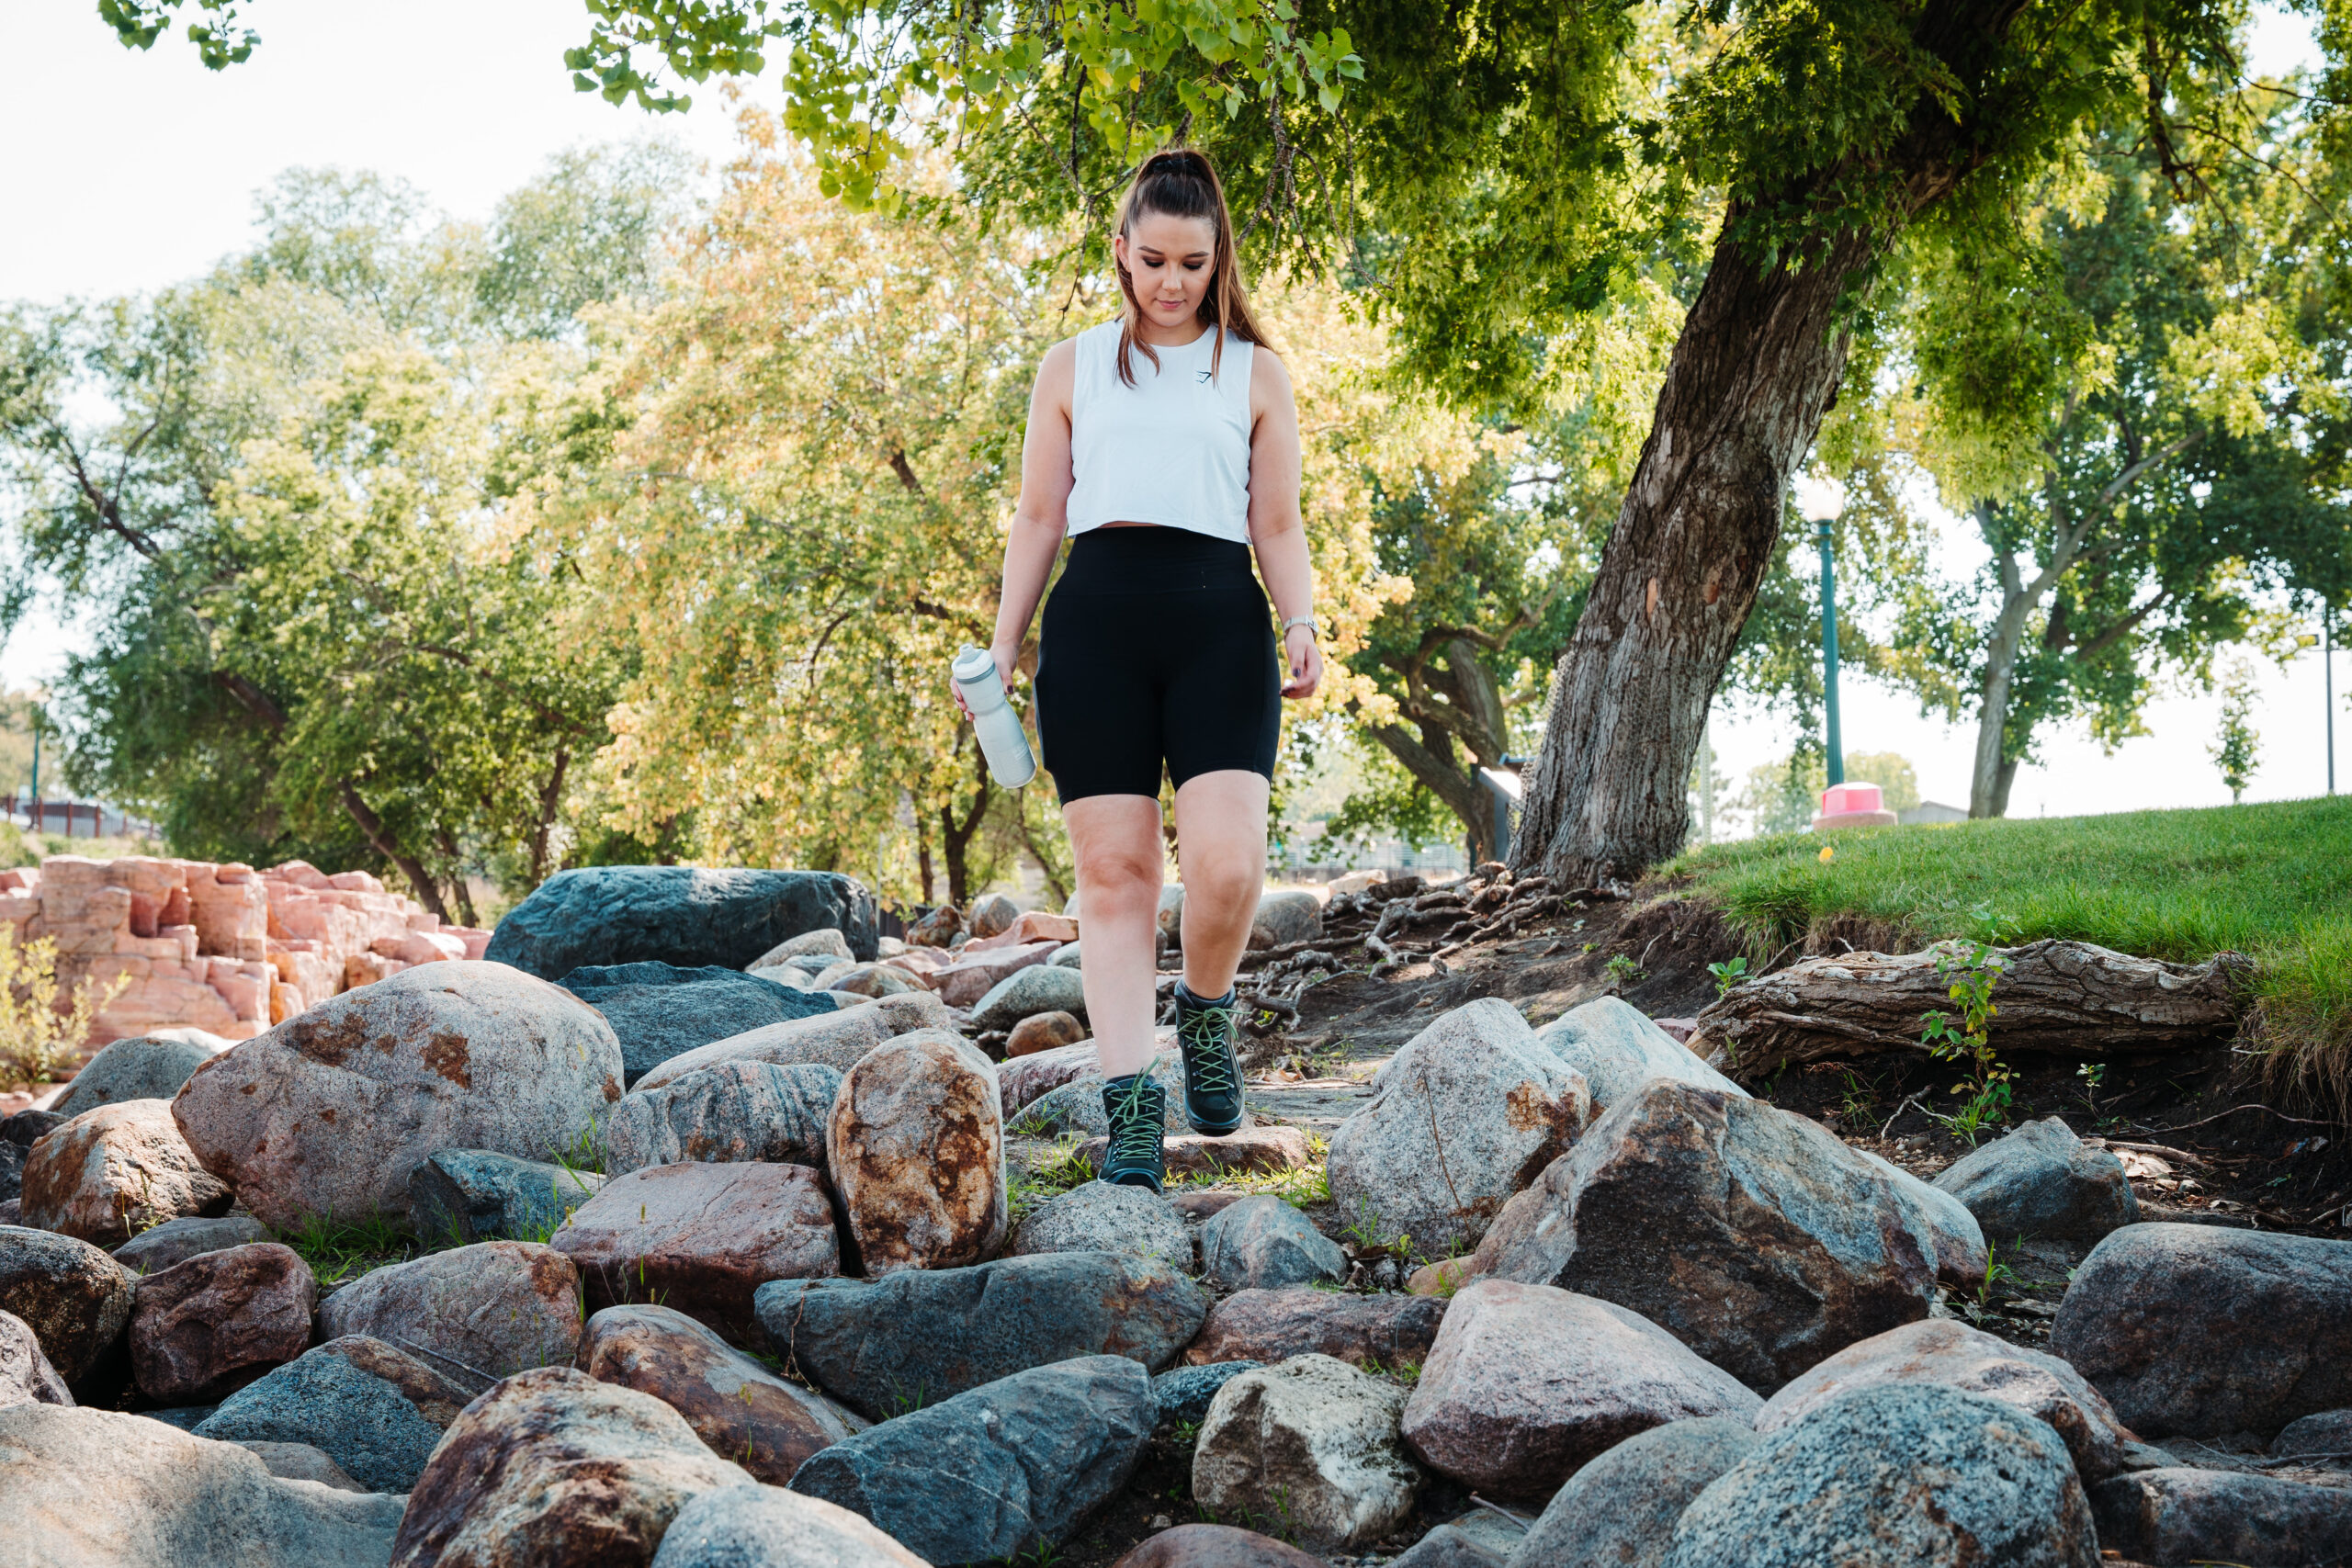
(2271, 880)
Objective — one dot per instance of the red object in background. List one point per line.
(1852, 805)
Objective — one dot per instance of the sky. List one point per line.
(132, 171)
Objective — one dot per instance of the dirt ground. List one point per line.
(2200, 1142)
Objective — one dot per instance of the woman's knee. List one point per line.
(1227, 883)
(1110, 879)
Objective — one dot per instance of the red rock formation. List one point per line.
(225, 949)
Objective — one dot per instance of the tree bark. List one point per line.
(1455, 701)
(956, 837)
(1988, 792)
(419, 879)
(2068, 998)
(1755, 370)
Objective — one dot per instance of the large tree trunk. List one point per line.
(1756, 368)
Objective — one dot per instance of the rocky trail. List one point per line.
(695, 1225)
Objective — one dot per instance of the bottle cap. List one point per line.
(973, 665)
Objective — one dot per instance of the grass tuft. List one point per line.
(2272, 881)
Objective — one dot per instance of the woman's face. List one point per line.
(1170, 261)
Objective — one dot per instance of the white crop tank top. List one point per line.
(1172, 449)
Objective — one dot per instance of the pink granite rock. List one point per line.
(968, 979)
(916, 1145)
(329, 1112)
(700, 1238)
(112, 1172)
(490, 1310)
(206, 1327)
(1528, 1383)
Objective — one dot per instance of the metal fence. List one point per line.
(72, 819)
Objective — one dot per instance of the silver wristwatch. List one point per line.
(1314, 627)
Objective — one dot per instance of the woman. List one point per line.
(1165, 444)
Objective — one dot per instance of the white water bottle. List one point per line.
(1002, 740)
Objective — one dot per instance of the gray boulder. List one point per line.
(2041, 1181)
(300, 1461)
(175, 1241)
(12, 1170)
(97, 1489)
(767, 1526)
(997, 1470)
(1076, 1107)
(1961, 1254)
(1286, 915)
(1749, 1232)
(1448, 1547)
(1467, 1113)
(839, 1040)
(1617, 1049)
(1184, 1394)
(732, 1112)
(1261, 1243)
(1900, 1473)
(1311, 1443)
(2203, 1332)
(140, 1068)
(1941, 1350)
(366, 1425)
(883, 1346)
(820, 947)
(1068, 958)
(27, 1128)
(463, 1196)
(660, 1011)
(2328, 1433)
(26, 1376)
(675, 913)
(1621, 1508)
(1097, 1217)
(327, 1114)
(74, 1297)
(2215, 1516)
(1025, 993)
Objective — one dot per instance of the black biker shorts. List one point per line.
(1157, 647)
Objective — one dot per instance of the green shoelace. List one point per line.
(1136, 1135)
(1205, 1032)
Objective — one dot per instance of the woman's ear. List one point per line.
(1119, 251)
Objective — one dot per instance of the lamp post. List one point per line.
(1820, 502)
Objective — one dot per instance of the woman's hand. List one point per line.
(1304, 662)
(1005, 659)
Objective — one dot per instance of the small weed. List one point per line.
(1728, 975)
(1365, 1230)
(586, 1151)
(1974, 969)
(1187, 1433)
(1054, 1174)
(1623, 971)
(1859, 1102)
(1406, 1372)
(1996, 1271)
(902, 1403)
(2093, 1074)
(338, 1250)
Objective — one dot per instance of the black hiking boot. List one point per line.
(1212, 1076)
(1137, 1107)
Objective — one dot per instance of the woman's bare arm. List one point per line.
(1276, 528)
(1041, 516)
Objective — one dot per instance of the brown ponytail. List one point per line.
(1181, 183)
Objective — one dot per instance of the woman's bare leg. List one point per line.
(1117, 841)
(1221, 848)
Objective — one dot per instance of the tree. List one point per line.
(805, 521)
(287, 484)
(1486, 175)
(2238, 743)
(2159, 374)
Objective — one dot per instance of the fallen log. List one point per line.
(2068, 999)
